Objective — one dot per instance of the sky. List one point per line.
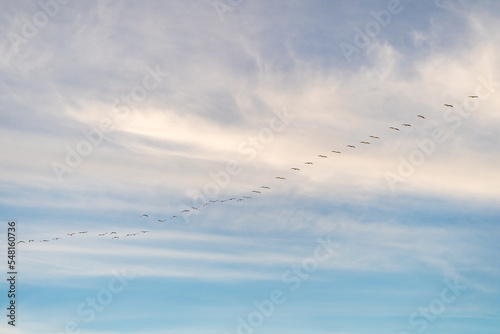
(118, 116)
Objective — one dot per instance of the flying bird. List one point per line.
(365, 142)
(351, 146)
(322, 156)
(295, 168)
(337, 152)
(184, 211)
(247, 197)
(406, 124)
(308, 163)
(20, 242)
(56, 238)
(374, 137)
(280, 177)
(143, 215)
(116, 238)
(44, 241)
(162, 221)
(473, 96)
(396, 129)
(83, 232)
(144, 231)
(256, 191)
(31, 240)
(265, 187)
(173, 217)
(112, 233)
(71, 234)
(448, 105)
(421, 116)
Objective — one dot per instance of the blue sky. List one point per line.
(114, 109)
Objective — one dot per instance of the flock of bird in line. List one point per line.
(114, 234)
